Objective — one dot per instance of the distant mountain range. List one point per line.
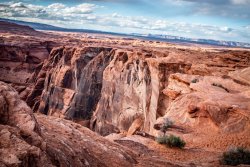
(40, 26)
(157, 37)
(201, 41)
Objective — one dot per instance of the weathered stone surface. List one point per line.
(241, 76)
(73, 81)
(39, 140)
(211, 101)
(136, 126)
(14, 112)
(119, 88)
(137, 87)
(126, 82)
(117, 85)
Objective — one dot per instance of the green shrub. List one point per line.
(236, 156)
(171, 141)
(174, 141)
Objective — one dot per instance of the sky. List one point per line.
(207, 19)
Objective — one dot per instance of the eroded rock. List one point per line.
(55, 141)
(210, 99)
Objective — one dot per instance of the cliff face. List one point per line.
(124, 90)
(29, 139)
(115, 87)
(116, 84)
(132, 88)
(70, 82)
(17, 63)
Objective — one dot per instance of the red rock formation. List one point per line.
(39, 140)
(207, 101)
(71, 81)
(119, 85)
(116, 86)
(21, 51)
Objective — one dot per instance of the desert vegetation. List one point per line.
(169, 140)
(236, 156)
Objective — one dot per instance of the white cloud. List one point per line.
(56, 6)
(53, 11)
(241, 2)
(84, 16)
(80, 9)
(225, 29)
(17, 5)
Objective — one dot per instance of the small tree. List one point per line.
(170, 141)
(166, 125)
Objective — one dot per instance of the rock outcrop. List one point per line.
(136, 88)
(201, 102)
(70, 82)
(124, 90)
(114, 87)
(22, 49)
(38, 140)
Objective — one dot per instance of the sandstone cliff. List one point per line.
(114, 87)
(38, 140)
(123, 90)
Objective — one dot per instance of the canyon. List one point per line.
(76, 99)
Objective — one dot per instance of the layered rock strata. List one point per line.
(114, 87)
(29, 139)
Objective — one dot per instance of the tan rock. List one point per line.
(221, 104)
(136, 125)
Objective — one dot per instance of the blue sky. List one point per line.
(210, 19)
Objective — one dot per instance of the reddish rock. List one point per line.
(40, 140)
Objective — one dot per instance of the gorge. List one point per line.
(74, 99)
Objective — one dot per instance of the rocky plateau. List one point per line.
(75, 99)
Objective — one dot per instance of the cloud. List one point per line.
(215, 2)
(17, 5)
(85, 16)
(53, 11)
(241, 2)
(236, 9)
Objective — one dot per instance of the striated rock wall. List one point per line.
(116, 84)
(29, 139)
(125, 95)
(136, 88)
(132, 87)
(114, 87)
(72, 79)
(109, 88)
(18, 63)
